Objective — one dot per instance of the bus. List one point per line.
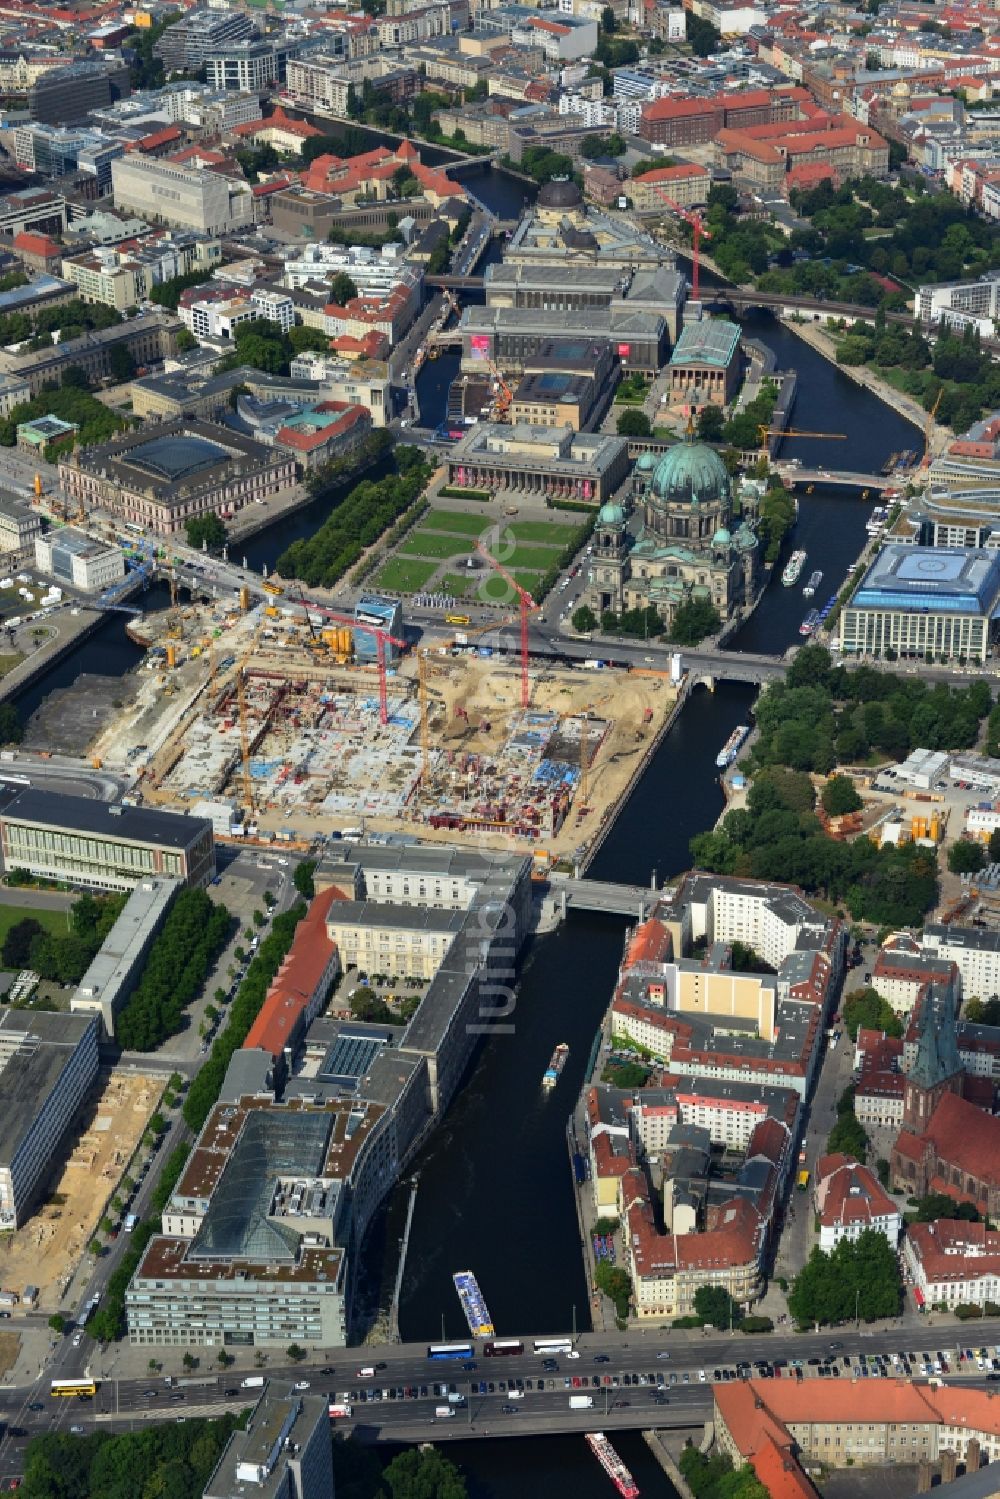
(457, 619)
(274, 589)
(450, 1350)
(803, 1181)
(81, 1387)
(553, 1345)
(497, 1346)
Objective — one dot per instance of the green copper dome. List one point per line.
(610, 515)
(691, 473)
(645, 462)
(721, 538)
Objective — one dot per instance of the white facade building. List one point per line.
(974, 950)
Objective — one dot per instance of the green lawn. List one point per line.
(456, 583)
(453, 520)
(405, 574)
(421, 543)
(546, 532)
(535, 559)
(498, 590)
(8, 662)
(51, 921)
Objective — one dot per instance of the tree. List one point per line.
(866, 1009)
(584, 620)
(303, 880)
(858, 1278)
(189, 1361)
(966, 856)
(207, 531)
(714, 1304)
(342, 289)
(224, 1359)
(711, 420)
(121, 365)
(702, 35)
(295, 1353)
(11, 730)
(693, 620)
(57, 1322)
(633, 423)
(420, 1473)
(17, 943)
(840, 797)
(938, 1205)
(994, 846)
(616, 1285)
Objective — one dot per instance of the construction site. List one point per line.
(282, 727)
(46, 1250)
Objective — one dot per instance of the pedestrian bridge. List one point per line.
(605, 897)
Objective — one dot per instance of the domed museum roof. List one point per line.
(692, 473)
(645, 462)
(560, 192)
(610, 514)
(721, 538)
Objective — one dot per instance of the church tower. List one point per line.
(937, 1068)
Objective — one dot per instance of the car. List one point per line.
(702, 1375)
(77, 1339)
(836, 1344)
(149, 1394)
(178, 1395)
(663, 1355)
(470, 1364)
(619, 1405)
(76, 1431)
(382, 1365)
(993, 1376)
(604, 1358)
(231, 1394)
(301, 1384)
(673, 1379)
(573, 1353)
(327, 1369)
(687, 1377)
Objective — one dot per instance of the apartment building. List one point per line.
(101, 845)
(248, 65)
(148, 338)
(187, 44)
(19, 524)
(975, 951)
(48, 1065)
(181, 196)
(961, 302)
(952, 1263)
(849, 1200)
(216, 311)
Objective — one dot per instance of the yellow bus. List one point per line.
(80, 1387)
(457, 619)
(275, 589)
(803, 1181)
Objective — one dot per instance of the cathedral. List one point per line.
(688, 544)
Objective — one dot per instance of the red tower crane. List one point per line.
(528, 606)
(698, 232)
(382, 637)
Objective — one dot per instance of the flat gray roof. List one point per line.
(281, 1414)
(79, 814)
(44, 1044)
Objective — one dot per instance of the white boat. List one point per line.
(815, 579)
(793, 568)
(731, 748)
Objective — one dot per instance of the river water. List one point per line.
(495, 1192)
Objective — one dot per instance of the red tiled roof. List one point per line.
(37, 244)
(650, 943)
(672, 174)
(295, 983)
(157, 138)
(678, 109)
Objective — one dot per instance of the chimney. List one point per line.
(924, 1477)
(973, 1456)
(949, 1465)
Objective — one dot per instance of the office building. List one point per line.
(63, 96)
(249, 65)
(936, 603)
(149, 337)
(160, 476)
(73, 558)
(101, 845)
(186, 45)
(849, 1201)
(113, 974)
(560, 229)
(961, 304)
(558, 463)
(283, 1452)
(510, 336)
(32, 208)
(48, 1064)
(184, 197)
(54, 151)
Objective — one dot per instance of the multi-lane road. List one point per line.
(644, 1379)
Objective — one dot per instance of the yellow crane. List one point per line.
(764, 432)
(925, 461)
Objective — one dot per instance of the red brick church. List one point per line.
(948, 1143)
